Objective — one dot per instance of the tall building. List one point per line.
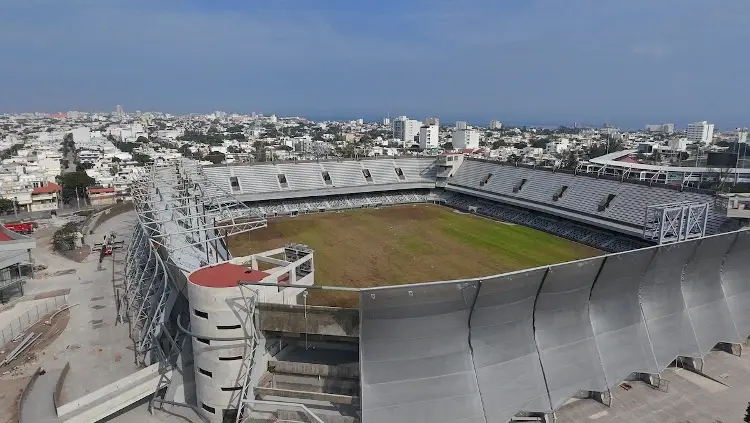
(700, 132)
(465, 139)
(386, 121)
(741, 135)
(496, 124)
(428, 136)
(663, 128)
(119, 112)
(432, 121)
(405, 129)
(460, 125)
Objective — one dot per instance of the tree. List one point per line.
(540, 142)
(141, 158)
(141, 139)
(520, 145)
(7, 204)
(185, 151)
(116, 160)
(215, 157)
(82, 167)
(747, 414)
(498, 144)
(74, 181)
(448, 146)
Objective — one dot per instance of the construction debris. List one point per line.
(26, 343)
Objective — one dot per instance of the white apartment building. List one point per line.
(432, 121)
(663, 128)
(678, 144)
(428, 136)
(495, 124)
(460, 125)
(405, 129)
(386, 121)
(557, 146)
(465, 139)
(700, 132)
(741, 135)
(81, 135)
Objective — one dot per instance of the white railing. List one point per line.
(23, 322)
(280, 405)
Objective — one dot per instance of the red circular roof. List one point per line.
(225, 275)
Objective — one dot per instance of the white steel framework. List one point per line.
(183, 219)
(673, 222)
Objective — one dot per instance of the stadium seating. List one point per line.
(308, 175)
(302, 176)
(589, 198)
(596, 238)
(584, 194)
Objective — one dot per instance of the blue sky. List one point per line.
(525, 61)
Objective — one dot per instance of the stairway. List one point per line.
(329, 391)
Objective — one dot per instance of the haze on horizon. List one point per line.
(542, 61)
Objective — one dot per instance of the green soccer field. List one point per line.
(407, 244)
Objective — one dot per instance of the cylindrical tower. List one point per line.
(217, 310)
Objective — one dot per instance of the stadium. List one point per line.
(423, 289)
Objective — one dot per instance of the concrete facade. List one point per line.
(219, 374)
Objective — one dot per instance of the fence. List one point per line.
(22, 323)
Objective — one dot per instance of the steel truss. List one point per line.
(672, 222)
(183, 219)
(250, 298)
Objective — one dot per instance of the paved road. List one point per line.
(97, 347)
(38, 407)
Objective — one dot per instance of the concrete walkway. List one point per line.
(38, 407)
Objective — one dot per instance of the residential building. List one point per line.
(557, 146)
(741, 135)
(405, 129)
(465, 139)
(432, 121)
(428, 136)
(496, 124)
(386, 121)
(700, 132)
(81, 135)
(678, 144)
(460, 125)
(101, 196)
(45, 198)
(662, 128)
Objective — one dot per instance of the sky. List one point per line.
(625, 62)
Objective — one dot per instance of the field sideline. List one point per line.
(407, 244)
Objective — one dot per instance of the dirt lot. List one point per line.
(50, 333)
(13, 376)
(407, 244)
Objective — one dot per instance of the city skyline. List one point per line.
(535, 63)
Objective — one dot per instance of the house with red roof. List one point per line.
(46, 197)
(101, 196)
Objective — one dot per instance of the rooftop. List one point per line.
(225, 275)
(47, 189)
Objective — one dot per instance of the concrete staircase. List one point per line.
(329, 391)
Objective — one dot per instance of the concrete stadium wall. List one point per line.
(486, 349)
(289, 318)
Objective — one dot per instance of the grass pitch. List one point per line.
(407, 244)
